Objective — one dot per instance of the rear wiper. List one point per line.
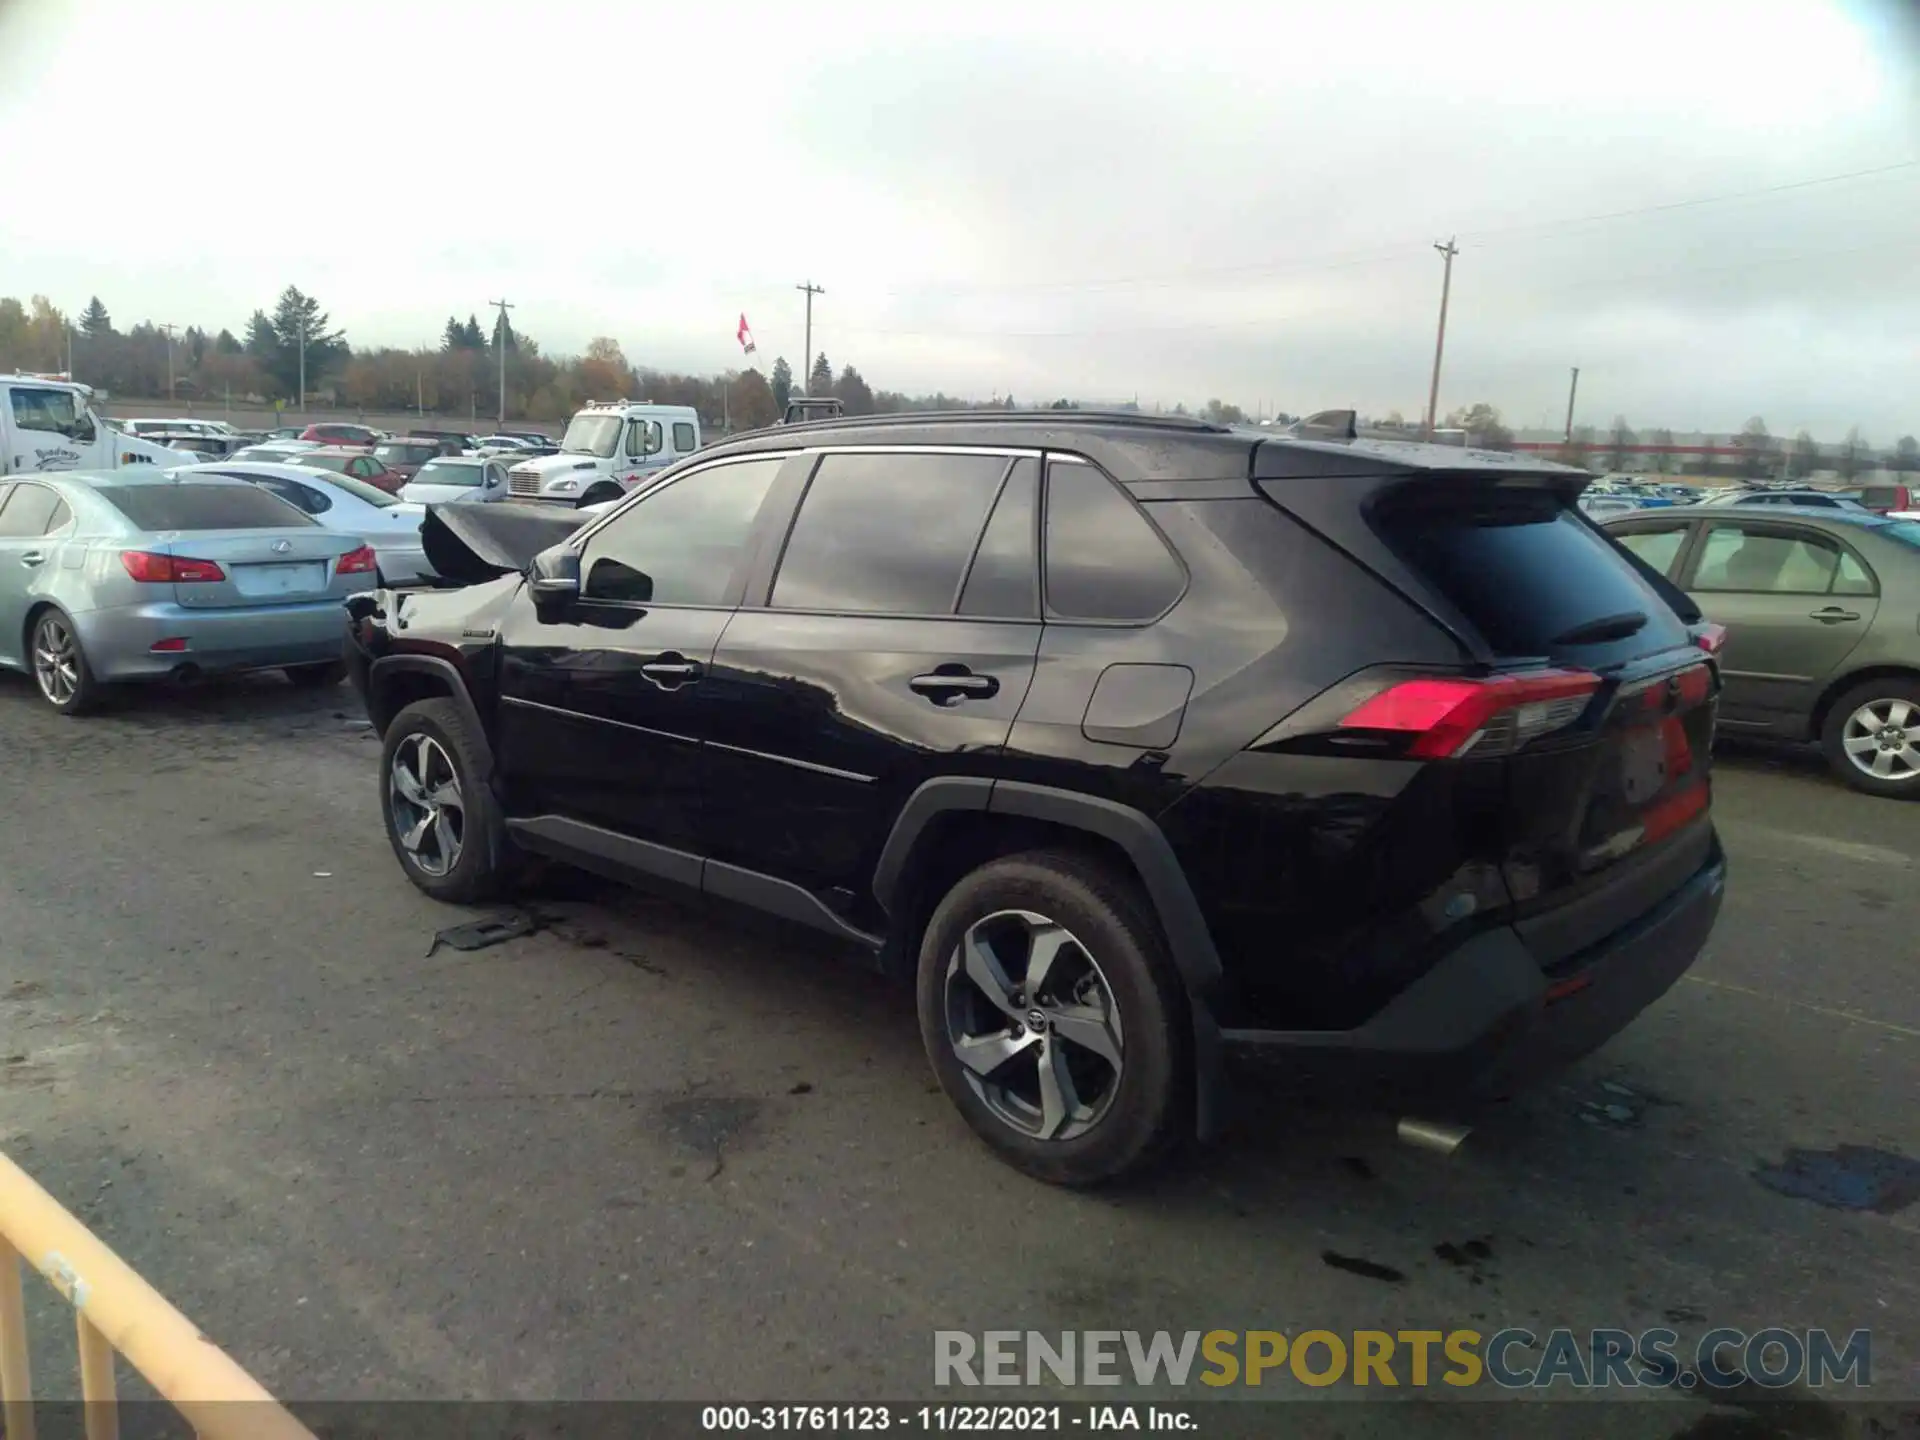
(1607, 627)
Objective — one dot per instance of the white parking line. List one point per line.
(1839, 849)
(1827, 1010)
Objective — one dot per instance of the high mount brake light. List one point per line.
(1495, 715)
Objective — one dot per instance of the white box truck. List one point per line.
(48, 424)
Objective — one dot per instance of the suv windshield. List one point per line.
(449, 472)
(592, 435)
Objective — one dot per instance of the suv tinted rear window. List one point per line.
(1525, 569)
(203, 507)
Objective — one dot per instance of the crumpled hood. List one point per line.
(472, 543)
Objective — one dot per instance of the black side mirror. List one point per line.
(554, 581)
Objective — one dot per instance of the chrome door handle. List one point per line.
(950, 689)
(33, 557)
(1833, 615)
(670, 670)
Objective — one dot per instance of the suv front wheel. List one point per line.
(442, 818)
(1054, 1019)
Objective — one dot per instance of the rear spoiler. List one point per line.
(473, 543)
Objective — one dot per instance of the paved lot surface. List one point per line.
(651, 1153)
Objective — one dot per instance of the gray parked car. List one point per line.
(1822, 616)
(142, 575)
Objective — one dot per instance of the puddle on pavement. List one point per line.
(1848, 1177)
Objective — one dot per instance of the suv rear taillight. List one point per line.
(150, 568)
(1455, 715)
(1709, 637)
(356, 562)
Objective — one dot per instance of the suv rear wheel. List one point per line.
(1872, 738)
(1054, 1019)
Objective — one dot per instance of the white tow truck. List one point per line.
(607, 450)
(49, 424)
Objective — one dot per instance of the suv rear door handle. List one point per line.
(1833, 615)
(33, 557)
(952, 687)
(671, 669)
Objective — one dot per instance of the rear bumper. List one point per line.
(1486, 1020)
(119, 642)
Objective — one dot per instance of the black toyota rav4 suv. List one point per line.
(1145, 747)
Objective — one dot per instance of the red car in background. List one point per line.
(331, 432)
(356, 463)
(404, 454)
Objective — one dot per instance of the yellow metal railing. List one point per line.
(114, 1309)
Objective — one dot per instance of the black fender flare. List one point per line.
(382, 671)
(1143, 842)
(1133, 831)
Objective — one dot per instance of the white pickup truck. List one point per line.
(607, 450)
(50, 425)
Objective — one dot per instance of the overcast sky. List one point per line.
(1052, 197)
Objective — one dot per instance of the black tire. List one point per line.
(316, 677)
(1144, 1114)
(1886, 697)
(479, 864)
(69, 686)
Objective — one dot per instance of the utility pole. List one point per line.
(303, 367)
(500, 344)
(1447, 252)
(169, 329)
(806, 361)
(70, 374)
(1572, 390)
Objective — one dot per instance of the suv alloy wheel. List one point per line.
(1053, 1019)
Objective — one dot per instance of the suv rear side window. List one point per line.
(1004, 583)
(203, 507)
(1104, 560)
(887, 534)
(1523, 567)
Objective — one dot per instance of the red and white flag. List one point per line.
(745, 336)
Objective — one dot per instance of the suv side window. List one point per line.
(1104, 560)
(1004, 581)
(29, 510)
(685, 543)
(1765, 560)
(887, 534)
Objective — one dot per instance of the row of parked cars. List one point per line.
(1618, 495)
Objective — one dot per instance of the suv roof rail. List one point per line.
(1019, 417)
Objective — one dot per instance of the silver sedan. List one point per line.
(341, 502)
(141, 575)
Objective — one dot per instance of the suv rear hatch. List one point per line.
(1582, 673)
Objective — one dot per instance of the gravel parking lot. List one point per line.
(649, 1152)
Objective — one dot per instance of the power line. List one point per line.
(1904, 243)
(1339, 260)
